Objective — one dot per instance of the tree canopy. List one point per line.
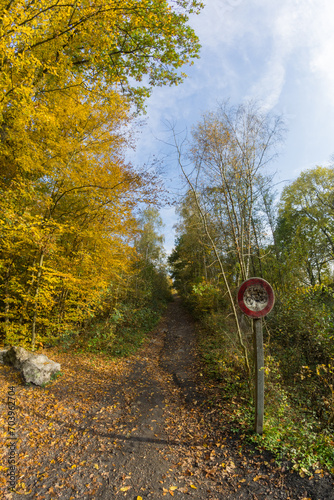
(73, 75)
(305, 227)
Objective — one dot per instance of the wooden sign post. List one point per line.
(259, 374)
(256, 299)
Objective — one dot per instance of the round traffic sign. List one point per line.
(256, 297)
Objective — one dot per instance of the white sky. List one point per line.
(280, 52)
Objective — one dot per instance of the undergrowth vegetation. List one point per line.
(231, 229)
(298, 421)
(115, 337)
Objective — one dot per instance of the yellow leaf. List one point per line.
(96, 466)
(139, 498)
(173, 488)
(256, 478)
(193, 486)
(125, 488)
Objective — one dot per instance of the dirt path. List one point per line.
(159, 438)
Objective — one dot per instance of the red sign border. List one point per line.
(269, 290)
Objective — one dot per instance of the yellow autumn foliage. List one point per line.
(70, 83)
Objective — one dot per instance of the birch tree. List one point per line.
(222, 163)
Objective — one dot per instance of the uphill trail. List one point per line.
(152, 433)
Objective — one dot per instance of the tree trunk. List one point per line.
(38, 279)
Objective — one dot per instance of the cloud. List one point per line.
(322, 49)
(270, 36)
(168, 215)
(269, 88)
(302, 35)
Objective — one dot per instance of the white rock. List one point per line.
(2, 353)
(15, 356)
(34, 368)
(39, 369)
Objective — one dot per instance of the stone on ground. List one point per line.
(35, 368)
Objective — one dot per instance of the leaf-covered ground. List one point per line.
(139, 428)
